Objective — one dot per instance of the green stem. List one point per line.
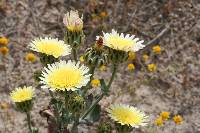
(102, 95)
(113, 76)
(74, 52)
(75, 125)
(29, 121)
(93, 105)
(56, 111)
(92, 71)
(51, 94)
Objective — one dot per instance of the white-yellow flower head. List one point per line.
(72, 21)
(22, 94)
(65, 76)
(127, 115)
(50, 46)
(122, 42)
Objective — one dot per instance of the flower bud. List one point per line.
(104, 127)
(76, 104)
(47, 59)
(96, 56)
(74, 35)
(73, 22)
(25, 106)
(117, 56)
(123, 128)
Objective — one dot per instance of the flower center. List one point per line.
(64, 78)
(120, 42)
(22, 95)
(50, 48)
(127, 116)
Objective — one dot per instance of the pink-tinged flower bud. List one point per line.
(72, 21)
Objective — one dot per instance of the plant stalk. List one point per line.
(102, 95)
(113, 76)
(74, 52)
(29, 121)
(58, 123)
(93, 105)
(75, 125)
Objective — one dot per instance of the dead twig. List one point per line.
(129, 22)
(139, 31)
(33, 16)
(153, 41)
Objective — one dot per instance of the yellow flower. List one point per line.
(95, 17)
(131, 67)
(178, 119)
(103, 14)
(72, 21)
(151, 67)
(145, 57)
(81, 59)
(30, 57)
(122, 42)
(159, 121)
(4, 41)
(50, 46)
(102, 68)
(165, 115)
(4, 105)
(65, 76)
(127, 115)
(156, 49)
(131, 56)
(4, 50)
(95, 82)
(22, 94)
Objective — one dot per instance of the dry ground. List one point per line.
(175, 87)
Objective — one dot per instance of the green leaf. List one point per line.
(104, 88)
(89, 100)
(35, 130)
(95, 113)
(53, 101)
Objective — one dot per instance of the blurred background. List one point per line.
(173, 87)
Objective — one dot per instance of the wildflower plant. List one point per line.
(23, 98)
(127, 116)
(69, 81)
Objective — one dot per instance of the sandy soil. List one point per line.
(175, 87)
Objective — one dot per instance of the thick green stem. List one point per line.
(92, 71)
(74, 52)
(113, 76)
(75, 125)
(92, 68)
(29, 121)
(93, 105)
(102, 95)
